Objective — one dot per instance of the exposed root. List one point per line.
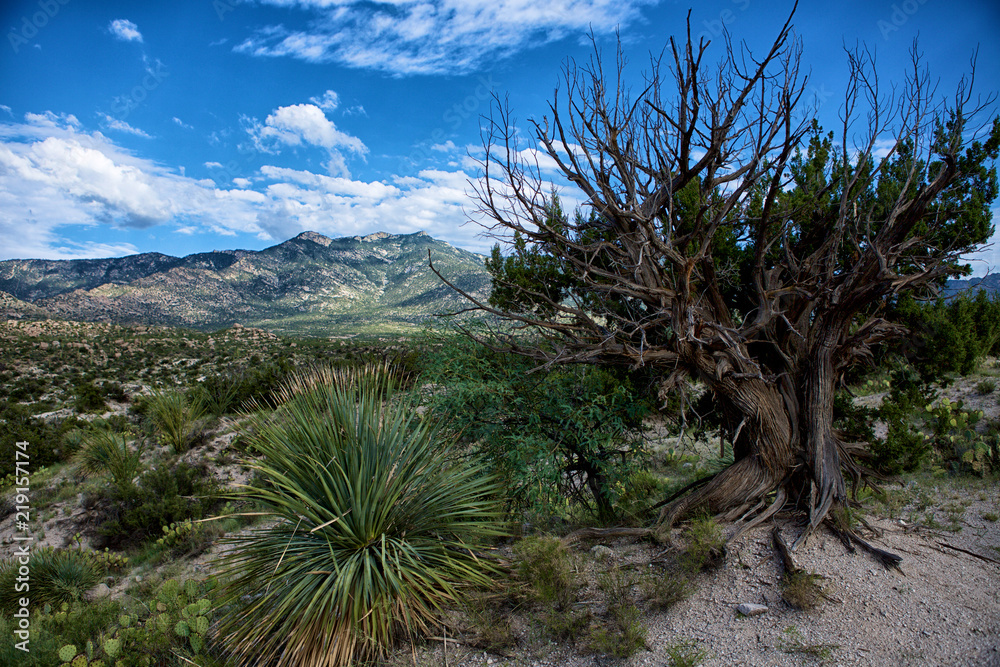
(799, 588)
(847, 536)
(603, 533)
(775, 507)
(738, 486)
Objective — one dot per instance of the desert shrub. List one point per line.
(663, 589)
(706, 545)
(949, 335)
(571, 433)
(173, 629)
(56, 576)
(232, 391)
(107, 452)
(378, 522)
(621, 633)
(164, 495)
(801, 589)
(904, 446)
(174, 414)
(89, 397)
(47, 441)
(55, 626)
(986, 387)
(549, 570)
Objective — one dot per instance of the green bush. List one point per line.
(235, 390)
(165, 495)
(48, 442)
(174, 414)
(706, 545)
(54, 628)
(949, 336)
(107, 452)
(89, 398)
(378, 523)
(571, 433)
(56, 576)
(621, 634)
(173, 629)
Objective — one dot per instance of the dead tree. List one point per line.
(723, 237)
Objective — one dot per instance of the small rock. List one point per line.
(602, 552)
(751, 609)
(100, 592)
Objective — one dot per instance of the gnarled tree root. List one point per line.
(847, 536)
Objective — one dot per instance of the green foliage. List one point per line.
(548, 568)
(107, 452)
(378, 522)
(572, 433)
(801, 590)
(226, 392)
(663, 589)
(904, 446)
(54, 628)
(685, 653)
(56, 576)
(706, 545)
(48, 442)
(621, 634)
(164, 495)
(174, 413)
(792, 641)
(89, 398)
(175, 624)
(949, 336)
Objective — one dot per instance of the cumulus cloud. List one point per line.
(305, 125)
(433, 37)
(125, 30)
(54, 175)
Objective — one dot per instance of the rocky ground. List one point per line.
(941, 607)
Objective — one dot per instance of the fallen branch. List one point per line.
(971, 553)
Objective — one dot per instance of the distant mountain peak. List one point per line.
(315, 237)
(377, 236)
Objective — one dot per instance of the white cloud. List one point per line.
(125, 30)
(180, 123)
(432, 37)
(305, 124)
(112, 123)
(213, 165)
(329, 102)
(7, 109)
(55, 176)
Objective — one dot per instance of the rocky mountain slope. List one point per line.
(310, 284)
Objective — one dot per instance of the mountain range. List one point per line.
(311, 284)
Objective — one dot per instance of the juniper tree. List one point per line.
(726, 237)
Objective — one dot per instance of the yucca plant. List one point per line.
(174, 414)
(379, 522)
(107, 452)
(57, 576)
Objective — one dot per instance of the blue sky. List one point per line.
(188, 126)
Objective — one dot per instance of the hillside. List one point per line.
(310, 285)
(990, 284)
